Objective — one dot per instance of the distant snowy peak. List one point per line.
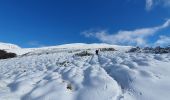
(8, 46)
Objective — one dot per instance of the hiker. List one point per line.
(97, 52)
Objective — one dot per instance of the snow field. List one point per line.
(56, 74)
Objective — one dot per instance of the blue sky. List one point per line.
(34, 23)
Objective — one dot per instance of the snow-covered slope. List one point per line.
(8, 46)
(84, 46)
(92, 46)
(14, 48)
(72, 46)
(53, 73)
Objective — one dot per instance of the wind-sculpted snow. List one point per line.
(60, 75)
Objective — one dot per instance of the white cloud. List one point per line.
(134, 37)
(163, 41)
(151, 3)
